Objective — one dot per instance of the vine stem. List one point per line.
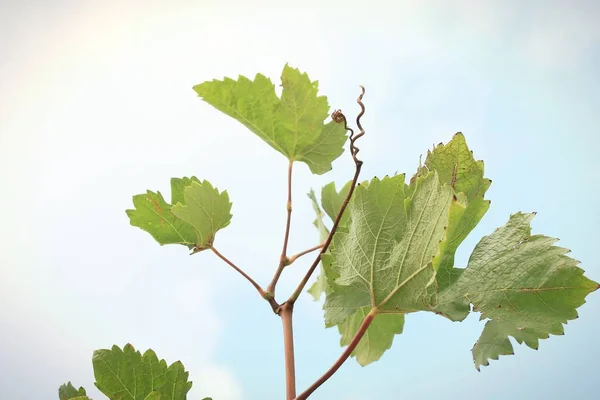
(296, 256)
(283, 259)
(286, 311)
(338, 363)
(339, 117)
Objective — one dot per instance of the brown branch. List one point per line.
(339, 117)
(260, 290)
(286, 312)
(283, 259)
(338, 363)
(296, 256)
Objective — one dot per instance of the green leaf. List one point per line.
(384, 259)
(320, 285)
(127, 375)
(386, 255)
(153, 214)
(206, 210)
(293, 125)
(378, 337)
(67, 392)
(332, 201)
(457, 167)
(527, 286)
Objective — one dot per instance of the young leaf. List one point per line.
(153, 214)
(127, 375)
(206, 210)
(292, 125)
(527, 286)
(68, 392)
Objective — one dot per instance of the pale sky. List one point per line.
(96, 105)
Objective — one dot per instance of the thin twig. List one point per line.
(339, 117)
(338, 363)
(286, 312)
(256, 285)
(293, 258)
(283, 259)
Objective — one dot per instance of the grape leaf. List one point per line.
(384, 259)
(456, 166)
(378, 337)
(524, 284)
(67, 392)
(127, 375)
(320, 285)
(206, 210)
(293, 124)
(153, 214)
(332, 201)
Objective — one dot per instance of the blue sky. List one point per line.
(96, 105)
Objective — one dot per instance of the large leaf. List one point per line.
(384, 259)
(68, 392)
(206, 209)
(527, 286)
(293, 124)
(128, 375)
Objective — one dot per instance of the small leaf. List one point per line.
(127, 375)
(292, 125)
(206, 210)
(153, 214)
(527, 286)
(67, 392)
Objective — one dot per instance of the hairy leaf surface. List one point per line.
(293, 124)
(384, 258)
(128, 375)
(527, 286)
